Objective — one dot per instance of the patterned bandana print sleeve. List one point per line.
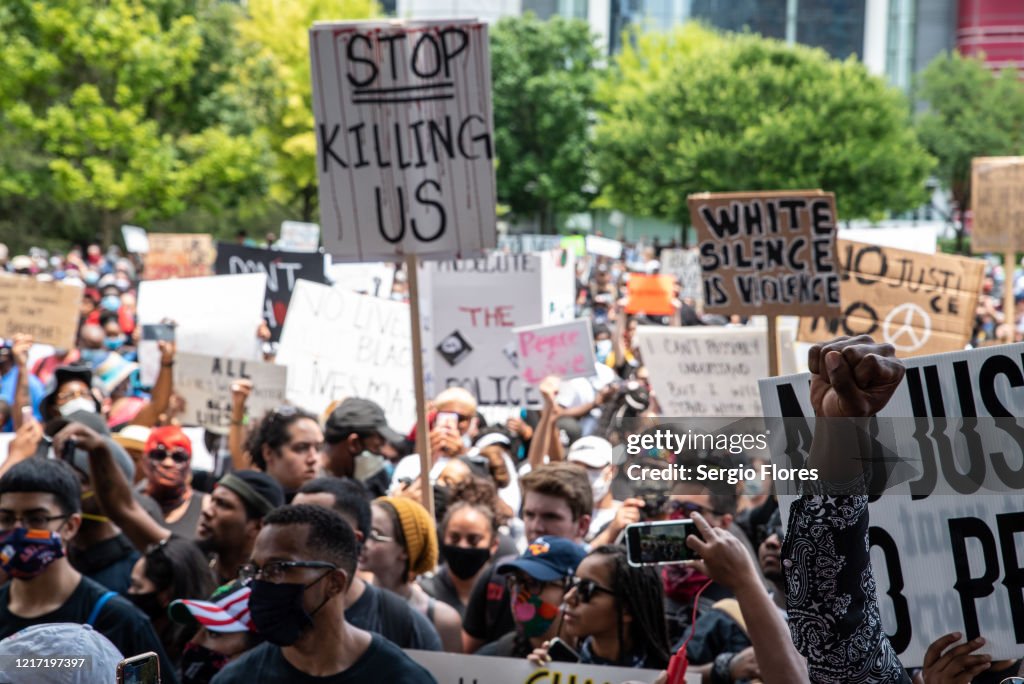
(832, 602)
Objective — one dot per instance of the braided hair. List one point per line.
(639, 591)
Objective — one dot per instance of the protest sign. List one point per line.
(562, 349)
(179, 255)
(375, 278)
(768, 252)
(472, 307)
(283, 270)
(299, 237)
(944, 549)
(340, 344)
(449, 668)
(711, 371)
(576, 244)
(650, 294)
(920, 304)
(684, 266)
(46, 311)
(528, 242)
(997, 200)
(404, 138)
(204, 382)
(216, 315)
(602, 246)
(917, 238)
(135, 239)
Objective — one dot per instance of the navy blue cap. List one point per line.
(547, 559)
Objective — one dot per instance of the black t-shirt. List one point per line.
(439, 585)
(382, 662)
(387, 614)
(108, 562)
(121, 622)
(512, 645)
(488, 615)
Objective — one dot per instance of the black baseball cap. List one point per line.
(358, 415)
(62, 376)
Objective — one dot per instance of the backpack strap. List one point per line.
(98, 607)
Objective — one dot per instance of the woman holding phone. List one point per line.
(615, 613)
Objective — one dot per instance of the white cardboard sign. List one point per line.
(340, 344)
(684, 264)
(375, 278)
(562, 349)
(709, 371)
(135, 239)
(404, 138)
(216, 315)
(470, 309)
(449, 668)
(299, 236)
(602, 246)
(204, 382)
(923, 590)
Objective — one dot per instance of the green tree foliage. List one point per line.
(544, 82)
(278, 33)
(972, 112)
(120, 111)
(696, 111)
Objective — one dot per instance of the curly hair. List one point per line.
(272, 431)
(479, 494)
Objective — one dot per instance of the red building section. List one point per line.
(992, 27)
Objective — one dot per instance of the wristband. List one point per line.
(721, 672)
(169, 364)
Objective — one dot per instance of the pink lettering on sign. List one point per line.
(543, 354)
(533, 344)
(488, 317)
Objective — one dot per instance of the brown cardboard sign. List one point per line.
(997, 200)
(919, 303)
(768, 252)
(179, 255)
(46, 310)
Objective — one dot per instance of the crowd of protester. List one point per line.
(305, 553)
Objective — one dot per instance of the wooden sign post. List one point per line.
(768, 253)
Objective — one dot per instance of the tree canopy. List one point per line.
(544, 78)
(696, 111)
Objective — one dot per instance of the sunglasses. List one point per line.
(160, 453)
(585, 588)
(683, 509)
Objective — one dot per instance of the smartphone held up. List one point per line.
(660, 543)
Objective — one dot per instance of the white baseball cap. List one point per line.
(592, 451)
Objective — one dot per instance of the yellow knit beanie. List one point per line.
(419, 531)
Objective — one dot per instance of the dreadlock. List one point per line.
(639, 591)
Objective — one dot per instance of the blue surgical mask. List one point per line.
(111, 303)
(602, 348)
(113, 343)
(93, 357)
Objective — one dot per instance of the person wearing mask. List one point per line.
(368, 607)
(446, 441)
(286, 445)
(402, 546)
(594, 455)
(302, 563)
(355, 433)
(557, 502)
(536, 589)
(229, 522)
(614, 612)
(40, 512)
(168, 472)
(174, 568)
(222, 631)
(469, 540)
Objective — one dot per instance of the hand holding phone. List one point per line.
(140, 669)
(561, 652)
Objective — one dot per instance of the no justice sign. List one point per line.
(404, 135)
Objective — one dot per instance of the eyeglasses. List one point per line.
(73, 394)
(160, 453)
(378, 537)
(274, 572)
(516, 584)
(585, 588)
(683, 509)
(33, 521)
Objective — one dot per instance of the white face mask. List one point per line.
(78, 404)
(599, 484)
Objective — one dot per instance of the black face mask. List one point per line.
(277, 611)
(149, 604)
(464, 563)
(199, 664)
